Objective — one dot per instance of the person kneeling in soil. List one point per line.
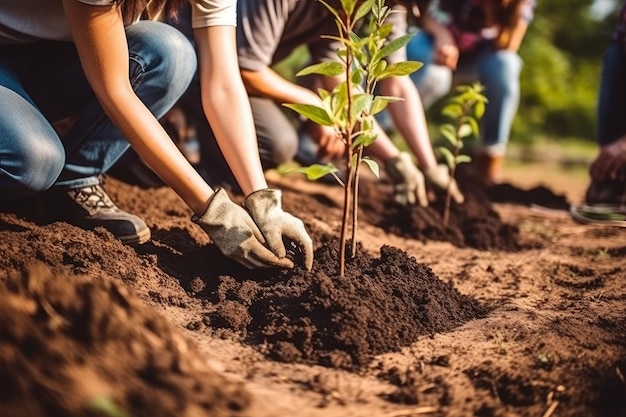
(605, 198)
(270, 30)
(466, 41)
(74, 57)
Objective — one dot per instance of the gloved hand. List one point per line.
(266, 210)
(236, 235)
(408, 181)
(439, 176)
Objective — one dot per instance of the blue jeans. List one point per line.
(612, 96)
(43, 82)
(497, 70)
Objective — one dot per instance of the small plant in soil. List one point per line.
(350, 107)
(465, 109)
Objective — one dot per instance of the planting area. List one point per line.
(513, 309)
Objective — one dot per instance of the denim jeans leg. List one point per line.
(612, 96)
(432, 81)
(31, 153)
(499, 72)
(162, 63)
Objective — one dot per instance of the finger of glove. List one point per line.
(457, 196)
(405, 198)
(422, 196)
(252, 254)
(298, 234)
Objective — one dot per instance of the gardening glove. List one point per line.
(439, 176)
(408, 182)
(265, 208)
(236, 235)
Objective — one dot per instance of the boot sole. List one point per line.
(139, 238)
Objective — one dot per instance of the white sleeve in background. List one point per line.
(206, 13)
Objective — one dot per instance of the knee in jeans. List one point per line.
(163, 51)
(33, 169)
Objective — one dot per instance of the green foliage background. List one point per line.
(562, 56)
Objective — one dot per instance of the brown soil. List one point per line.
(511, 310)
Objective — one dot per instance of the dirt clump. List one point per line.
(90, 347)
(379, 305)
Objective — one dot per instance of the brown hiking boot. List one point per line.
(90, 207)
(489, 168)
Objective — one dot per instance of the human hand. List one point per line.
(408, 182)
(610, 164)
(330, 144)
(236, 235)
(266, 209)
(439, 176)
(446, 52)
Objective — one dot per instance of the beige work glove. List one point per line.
(408, 181)
(266, 209)
(439, 177)
(236, 235)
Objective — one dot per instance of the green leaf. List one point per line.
(379, 104)
(447, 155)
(378, 68)
(372, 165)
(448, 132)
(463, 159)
(364, 138)
(314, 113)
(357, 76)
(399, 69)
(328, 68)
(361, 103)
(315, 171)
(385, 30)
(479, 109)
(364, 9)
(393, 46)
(348, 6)
(452, 110)
(465, 130)
(474, 124)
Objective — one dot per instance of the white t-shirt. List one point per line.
(23, 21)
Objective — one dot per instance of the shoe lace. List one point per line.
(92, 198)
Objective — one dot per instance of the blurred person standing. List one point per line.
(95, 63)
(463, 41)
(605, 198)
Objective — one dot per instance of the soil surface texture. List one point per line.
(511, 309)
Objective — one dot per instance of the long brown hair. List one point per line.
(149, 9)
(508, 14)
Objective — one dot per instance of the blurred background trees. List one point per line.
(562, 55)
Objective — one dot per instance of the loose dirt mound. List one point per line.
(380, 305)
(85, 347)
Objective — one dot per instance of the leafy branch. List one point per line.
(350, 107)
(465, 108)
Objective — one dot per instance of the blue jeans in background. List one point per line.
(497, 70)
(43, 82)
(612, 96)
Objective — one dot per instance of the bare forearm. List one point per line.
(409, 118)
(267, 83)
(227, 107)
(233, 127)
